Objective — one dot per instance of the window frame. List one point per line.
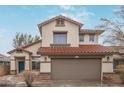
(90, 38)
(59, 34)
(80, 40)
(36, 67)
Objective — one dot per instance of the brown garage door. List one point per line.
(76, 69)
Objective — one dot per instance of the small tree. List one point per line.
(24, 39)
(28, 78)
(114, 28)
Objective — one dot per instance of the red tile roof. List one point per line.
(84, 49)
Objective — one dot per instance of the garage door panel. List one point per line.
(76, 69)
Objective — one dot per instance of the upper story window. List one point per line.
(60, 22)
(60, 38)
(81, 38)
(91, 38)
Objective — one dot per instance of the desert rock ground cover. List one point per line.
(17, 81)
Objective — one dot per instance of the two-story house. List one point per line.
(66, 51)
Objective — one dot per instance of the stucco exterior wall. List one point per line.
(12, 65)
(104, 59)
(107, 67)
(72, 33)
(34, 48)
(86, 40)
(45, 67)
(45, 58)
(27, 65)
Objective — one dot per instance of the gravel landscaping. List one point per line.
(12, 81)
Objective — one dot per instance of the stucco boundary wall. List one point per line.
(4, 69)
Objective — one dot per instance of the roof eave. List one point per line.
(74, 54)
(91, 31)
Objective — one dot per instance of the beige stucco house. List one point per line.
(118, 57)
(66, 51)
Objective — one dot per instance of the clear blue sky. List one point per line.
(24, 19)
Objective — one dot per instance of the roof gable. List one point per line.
(24, 47)
(19, 50)
(57, 17)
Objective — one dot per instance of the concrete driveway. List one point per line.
(10, 80)
(67, 83)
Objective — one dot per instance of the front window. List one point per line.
(35, 65)
(91, 38)
(60, 38)
(81, 37)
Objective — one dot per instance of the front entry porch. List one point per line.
(20, 65)
(20, 61)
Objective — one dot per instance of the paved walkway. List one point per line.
(10, 80)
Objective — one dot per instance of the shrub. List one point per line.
(28, 78)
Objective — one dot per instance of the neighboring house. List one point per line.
(4, 59)
(118, 58)
(65, 52)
